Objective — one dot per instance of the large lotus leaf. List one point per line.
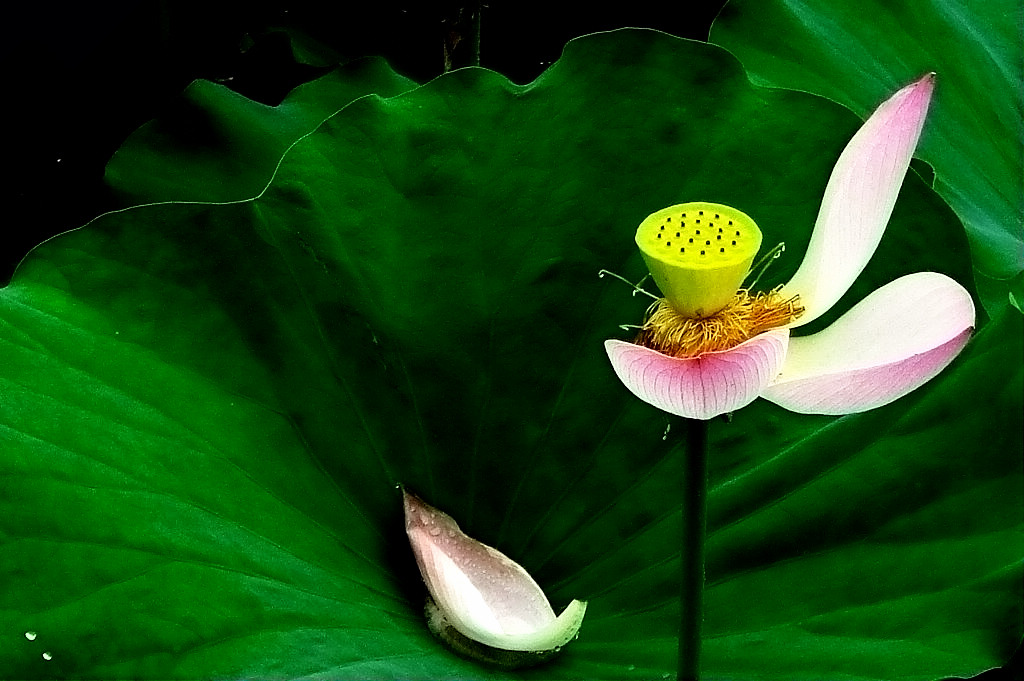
(216, 145)
(857, 51)
(206, 408)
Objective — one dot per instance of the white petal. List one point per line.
(892, 342)
(700, 387)
(859, 199)
(485, 595)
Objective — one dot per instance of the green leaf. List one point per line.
(206, 408)
(1017, 292)
(856, 53)
(216, 145)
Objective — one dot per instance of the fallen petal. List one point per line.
(859, 199)
(482, 593)
(700, 387)
(895, 340)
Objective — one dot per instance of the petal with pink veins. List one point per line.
(700, 387)
(893, 341)
(482, 593)
(859, 199)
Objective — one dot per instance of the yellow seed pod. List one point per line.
(698, 254)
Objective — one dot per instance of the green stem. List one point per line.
(476, 6)
(695, 492)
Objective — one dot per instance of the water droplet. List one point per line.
(631, 667)
(30, 635)
(47, 656)
(451, 534)
(435, 531)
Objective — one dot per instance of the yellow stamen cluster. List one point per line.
(671, 333)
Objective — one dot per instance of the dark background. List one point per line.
(81, 76)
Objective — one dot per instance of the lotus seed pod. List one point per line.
(698, 254)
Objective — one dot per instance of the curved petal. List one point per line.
(859, 199)
(485, 595)
(700, 387)
(892, 342)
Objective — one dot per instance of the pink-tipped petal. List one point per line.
(894, 341)
(700, 387)
(859, 199)
(485, 595)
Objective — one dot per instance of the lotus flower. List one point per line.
(480, 596)
(709, 348)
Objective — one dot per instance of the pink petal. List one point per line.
(859, 199)
(895, 340)
(485, 595)
(700, 387)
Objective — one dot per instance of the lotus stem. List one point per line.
(691, 602)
